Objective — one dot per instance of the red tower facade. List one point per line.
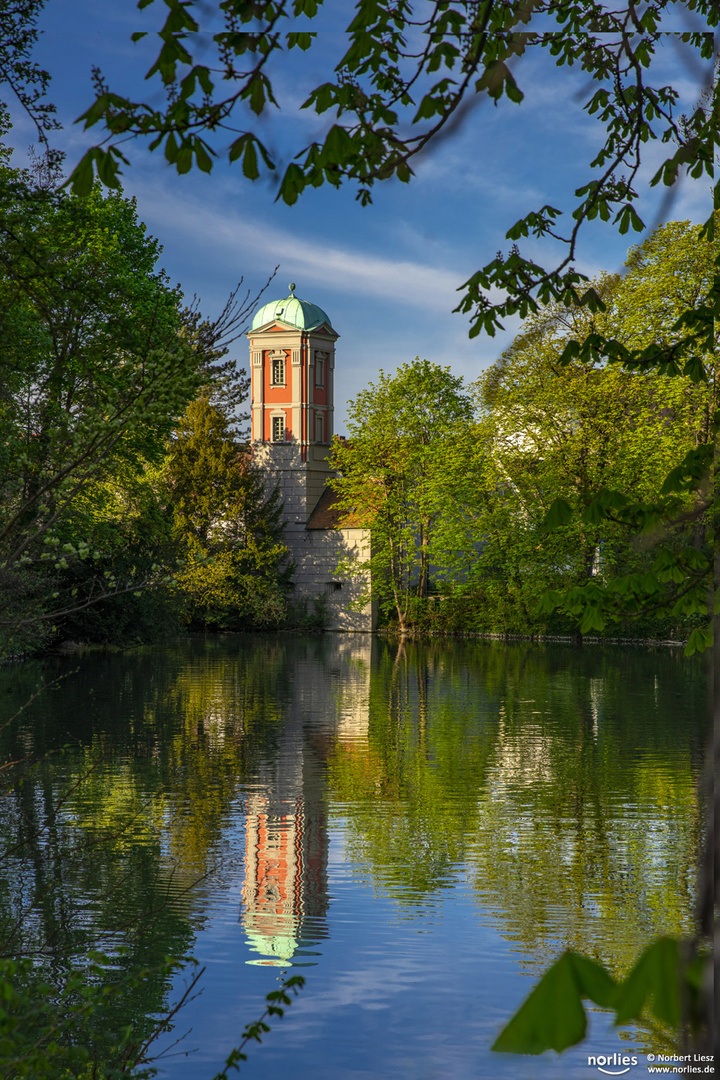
(292, 362)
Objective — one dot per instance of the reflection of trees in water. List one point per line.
(563, 780)
(574, 857)
(103, 841)
(566, 781)
(151, 789)
(70, 889)
(410, 794)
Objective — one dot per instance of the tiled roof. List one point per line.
(328, 514)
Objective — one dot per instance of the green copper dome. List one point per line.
(293, 311)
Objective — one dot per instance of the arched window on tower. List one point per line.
(319, 428)
(278, 429)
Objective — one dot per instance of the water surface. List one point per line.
(417, 830)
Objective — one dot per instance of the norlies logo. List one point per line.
(613, 1064)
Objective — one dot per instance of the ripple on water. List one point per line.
(417, 833)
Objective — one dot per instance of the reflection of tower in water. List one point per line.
(285, 893)
(285, 898)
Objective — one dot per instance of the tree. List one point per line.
(236, 567)
(392, 473)
(26, 80)
(662, 493)
(399, 84)
(97, 368)
(100, 359)
(568, 435)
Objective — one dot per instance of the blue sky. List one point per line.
(386, 274)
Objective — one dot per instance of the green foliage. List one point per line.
(553, 1016)
(97, 369)
(69, 1032)
(396, 87)
(550, 509)
(580, 512)
(235, 569)
(393, 475)
(655, 327)
(100, 362)
(67, 1029)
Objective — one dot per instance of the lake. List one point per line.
(417, 829)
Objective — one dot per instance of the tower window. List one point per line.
(278, 371)
(278, 429)
(319, 371)
(319, 429)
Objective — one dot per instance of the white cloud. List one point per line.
(342, 268)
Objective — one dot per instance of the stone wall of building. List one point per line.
(318, 552)
(301, 483)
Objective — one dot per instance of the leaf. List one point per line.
(183, 161)
(696, 370)
(512, 89)
(237, 148)
(300, 40)
(650, 583)
(322, 98)
(404, 172)
(203, 159)
(250, 162)
(171, 148)
(107, 168)
(548, 602)
(628, 218)
(592, 619)
(559, 514)
(653, 982)
(428, 107)
(592, 300)
(553, 1016)
(256, 94)
(496, 77)
(204, 79)
(338, 145)
(698, 642)
(246, 147)
(81, 178)
(96, 111)
(292, 184)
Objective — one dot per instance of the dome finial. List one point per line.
(292, 288)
